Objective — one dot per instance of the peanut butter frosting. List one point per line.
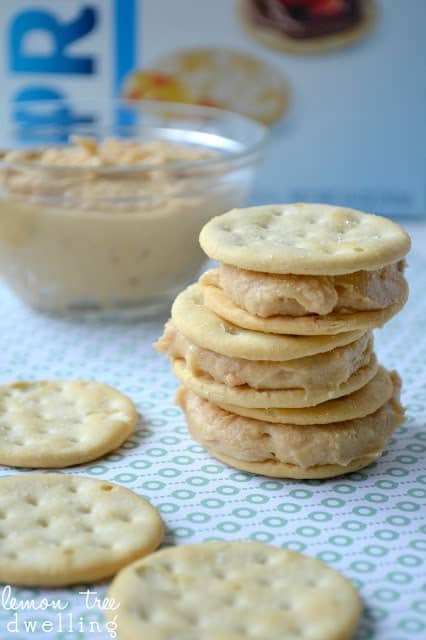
(322, 371)
(266, 295)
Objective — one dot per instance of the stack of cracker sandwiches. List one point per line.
(274, 348)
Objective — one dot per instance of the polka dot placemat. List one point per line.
(370, 525)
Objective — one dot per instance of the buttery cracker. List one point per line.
(58, 423)
(254, 591)
(301, 238)
(208, 330)
(58, 529)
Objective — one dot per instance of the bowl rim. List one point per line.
(247, 153)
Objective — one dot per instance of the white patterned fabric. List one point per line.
(370, 525)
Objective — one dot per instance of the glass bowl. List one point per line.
(119, 238)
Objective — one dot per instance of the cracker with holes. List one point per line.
(58, 529)
(211, 331)
(305, 239)
(254, 591)
(305, 268)
(58, 423)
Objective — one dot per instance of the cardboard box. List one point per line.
(348, 125)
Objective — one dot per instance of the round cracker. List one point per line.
(59, 529)
(251, 586)
(218, 393)
(356, 405)
(309, 325)
(208, 330)
(314, 45)
(301, 238)
(58, 423)
(276, 469)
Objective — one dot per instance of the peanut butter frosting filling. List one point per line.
(266, 295)
(305, 446)
(322, 371)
